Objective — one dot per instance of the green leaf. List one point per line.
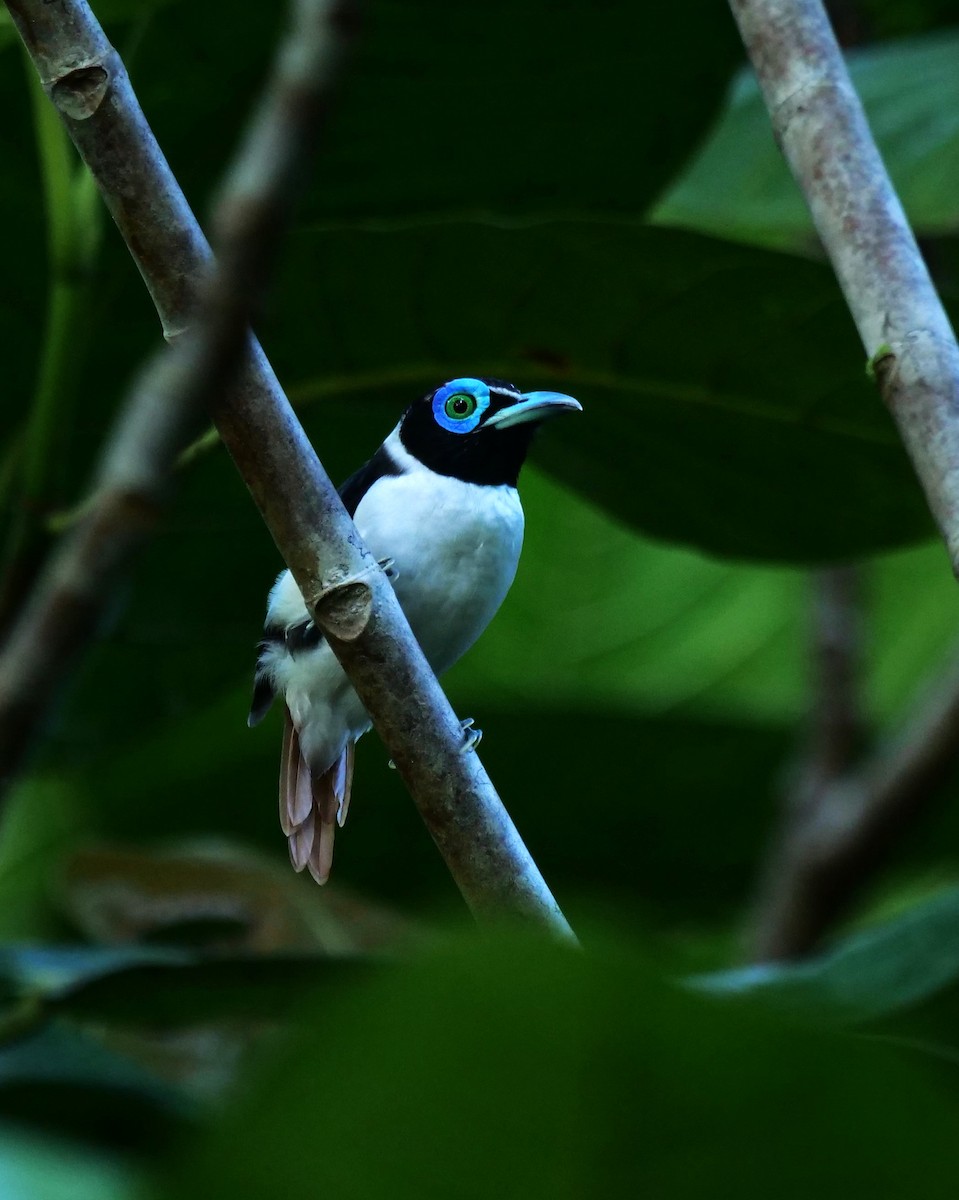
(176, 994)
(61, 1078)
(518, 108)
(739, 186)
(50, 971)
(875, 973)
(725, 402)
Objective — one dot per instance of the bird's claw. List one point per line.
(302, 636)
(471, 737)
(388, 567)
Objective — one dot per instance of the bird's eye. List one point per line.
(460, 406)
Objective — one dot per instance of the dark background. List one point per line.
(575, 196)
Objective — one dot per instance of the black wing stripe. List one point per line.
(305, 636)
(302, 636)
(360, 482)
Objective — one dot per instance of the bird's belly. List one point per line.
(455, 548)
(455, 554)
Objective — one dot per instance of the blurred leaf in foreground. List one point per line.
(516, 1069)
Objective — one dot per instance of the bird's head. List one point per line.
(478, 430)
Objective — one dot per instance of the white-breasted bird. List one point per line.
(437, 505)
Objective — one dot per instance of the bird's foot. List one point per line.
(471, 737)
(388, 566)
(302, 636)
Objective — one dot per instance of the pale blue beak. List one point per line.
(534, 406)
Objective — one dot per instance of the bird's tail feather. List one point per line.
(311, 806)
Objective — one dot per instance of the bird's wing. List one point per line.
(360, 482)
(304, 635)
(263, 690)
(295, 639)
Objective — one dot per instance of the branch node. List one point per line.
(881, 363)
(343, 610)
(80, 92)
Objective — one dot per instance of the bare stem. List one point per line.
(837, 844)
(350, 597)
(836, 725)
(820, 125)
(783, 917)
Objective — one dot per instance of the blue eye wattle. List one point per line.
(458, 406)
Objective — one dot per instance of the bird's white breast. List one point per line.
(455, 547)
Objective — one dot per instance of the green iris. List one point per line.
(460, 406)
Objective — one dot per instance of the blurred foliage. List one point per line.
(178, 1012)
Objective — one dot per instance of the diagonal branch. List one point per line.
(350, 597)
(168, 401)
(821, 128)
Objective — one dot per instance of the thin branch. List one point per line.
(835, 738)
(166, 405)
(820, 125)
(349, 595)
(837, 726)
(836, 845)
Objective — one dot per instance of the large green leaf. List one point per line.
(725, 399)
(50, 971)
(739, 186)
(495, 107)
(725, 404)
(517, 108)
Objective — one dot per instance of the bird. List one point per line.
(438, 506)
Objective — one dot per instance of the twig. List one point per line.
(820, 125)
(166, 404)
(836, 726)
(837, 844)
(350, 597)
(835, 737)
